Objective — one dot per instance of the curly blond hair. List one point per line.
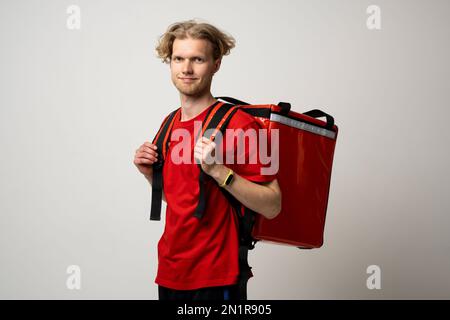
(221, 42)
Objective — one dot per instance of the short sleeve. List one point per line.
(252, 159)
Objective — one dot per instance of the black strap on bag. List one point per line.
(157, 183)
(218, 117)
(246, 241)
(162, 135)
(233, 101)
(316, 113)
(285, 106)
(247, 220)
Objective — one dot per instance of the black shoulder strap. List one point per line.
(233, 101)
(219, 121)
(157, 183)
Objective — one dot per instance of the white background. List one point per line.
(76, 104)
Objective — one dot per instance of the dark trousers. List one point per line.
(222, 293)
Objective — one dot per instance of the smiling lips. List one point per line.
(188, 79)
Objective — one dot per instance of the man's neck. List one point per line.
(193, 106)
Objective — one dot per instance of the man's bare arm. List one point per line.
(264, 198)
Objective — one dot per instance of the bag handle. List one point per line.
(233, 101)
(285, 106)
(316, 113)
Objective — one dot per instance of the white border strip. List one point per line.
(302, 125)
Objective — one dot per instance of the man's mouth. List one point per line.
(188, 79)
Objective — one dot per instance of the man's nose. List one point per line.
(187, 67)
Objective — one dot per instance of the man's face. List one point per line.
(192, 66)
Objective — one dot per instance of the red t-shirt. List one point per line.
(195, 253)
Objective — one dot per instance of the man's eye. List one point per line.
(199, 59)
(177, 58)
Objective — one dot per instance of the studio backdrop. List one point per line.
(82, 89)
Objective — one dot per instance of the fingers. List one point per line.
(143, 161)
(204, 150)
(149, 148)
(146, 154)
(205, 143)
(151, 145)
(146, 151)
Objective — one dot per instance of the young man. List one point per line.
(198, 258)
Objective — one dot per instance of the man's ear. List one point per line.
(217, 65)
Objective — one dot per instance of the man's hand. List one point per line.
(204, 153)
(144, 158)
(263, 198)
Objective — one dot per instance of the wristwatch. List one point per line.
(228, 179)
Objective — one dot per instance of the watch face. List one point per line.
(229, 179)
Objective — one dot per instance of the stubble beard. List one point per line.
(191, 89)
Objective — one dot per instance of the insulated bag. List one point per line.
(306, 149)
